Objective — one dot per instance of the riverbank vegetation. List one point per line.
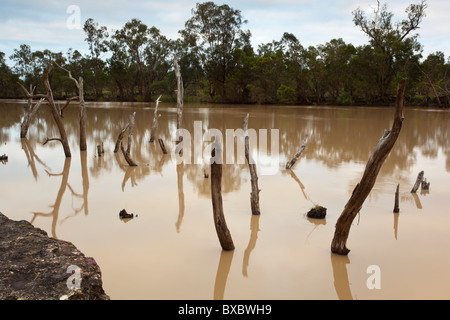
(219, 64)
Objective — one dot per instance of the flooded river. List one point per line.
(170, 250)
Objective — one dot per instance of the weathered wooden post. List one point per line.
(374, 164)
(396, 205)
(216, 194)
(254, 195)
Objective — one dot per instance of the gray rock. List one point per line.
(35, 266)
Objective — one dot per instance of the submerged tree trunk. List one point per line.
(254, 195)
(216, 194)
(362, 189)
(180, 94)
(155, 121)
(80, 98)
(126, 153)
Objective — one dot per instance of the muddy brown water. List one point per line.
(171, 250)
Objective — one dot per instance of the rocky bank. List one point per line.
(35, 266)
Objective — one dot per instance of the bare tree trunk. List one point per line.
(126, 153)
(396, 205)
(291, 163)
(155, 121)
(80, 98)
(30, 111)
(362, 189)
(418, 182)
(254, 195)
(216, 194)
(180, 93)
(54, 110)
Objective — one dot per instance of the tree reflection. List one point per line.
(340, 275)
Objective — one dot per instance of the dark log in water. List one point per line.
(363, 188)
(216, 194)
(163, 147)
(396, 204)
(418, 182)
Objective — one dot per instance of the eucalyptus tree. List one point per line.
(394, 43)
(217, 32)
(97, 39)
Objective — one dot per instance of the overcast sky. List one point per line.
(47, 24)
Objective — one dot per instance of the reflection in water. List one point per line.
(343, 140)
(396, 215)
(341, 283)
(180, 174)
(226, 257)
(55, 212)
(254, 227)
(31, 156)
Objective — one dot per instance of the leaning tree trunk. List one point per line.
(369, 177)
(54, 110)
(216, 194)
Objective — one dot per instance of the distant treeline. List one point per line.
(219, 64)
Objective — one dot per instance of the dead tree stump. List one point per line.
(216, 194)
(254, 195)
(363, 188)
(155, 121)
(126, 153)
(396, 205)
(418, 182)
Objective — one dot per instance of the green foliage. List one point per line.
(218, 63)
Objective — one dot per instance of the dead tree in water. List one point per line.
(126, 153)
(396, 206)
(254, 195)
(291, 163)
(30, 111)
(216, 194)
(180, 93)
(51, 103)
(418, 182)
(80, 98)
(155, 121)
(362, 189)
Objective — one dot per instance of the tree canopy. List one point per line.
(219, 64)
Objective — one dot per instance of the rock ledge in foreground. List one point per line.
(35, 266)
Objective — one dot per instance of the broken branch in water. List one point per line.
(291, 163)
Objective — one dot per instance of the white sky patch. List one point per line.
(42, 23)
